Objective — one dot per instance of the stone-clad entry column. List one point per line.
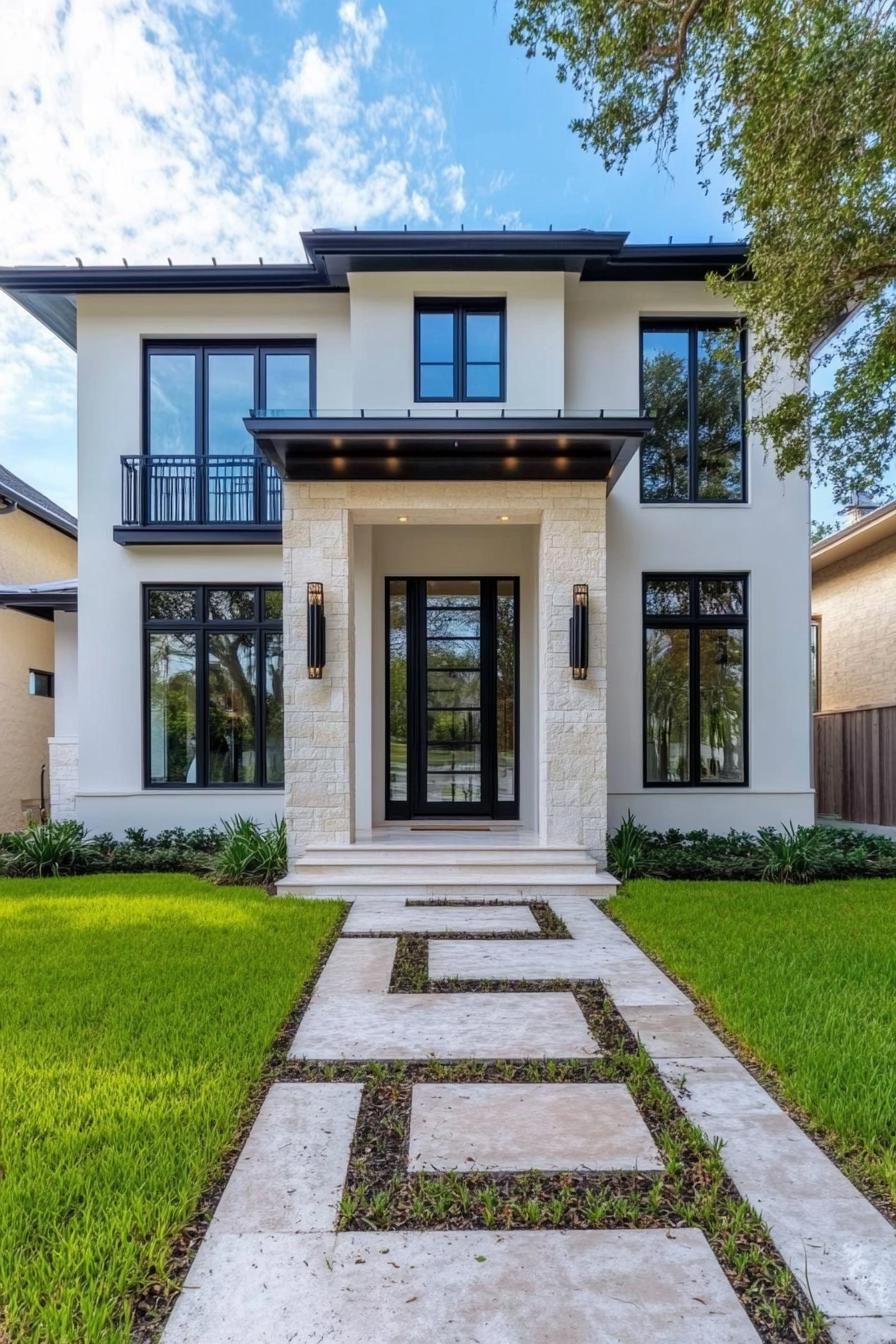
(318, 718)
(319, 727)
(573, 748)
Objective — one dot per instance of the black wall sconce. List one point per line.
(578, 632)
(317, 632)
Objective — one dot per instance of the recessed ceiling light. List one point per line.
(402, 518)
(503, 517)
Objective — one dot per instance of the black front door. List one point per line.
(452, 669)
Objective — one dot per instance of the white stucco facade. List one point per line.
(571, 347)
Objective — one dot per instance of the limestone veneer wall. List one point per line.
(855, 599)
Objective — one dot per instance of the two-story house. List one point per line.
(435, 530)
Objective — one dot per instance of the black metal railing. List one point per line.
(186, 491)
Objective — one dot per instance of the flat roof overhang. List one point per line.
(41, 600)
(448, 448)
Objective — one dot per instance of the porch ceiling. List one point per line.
(438, 448)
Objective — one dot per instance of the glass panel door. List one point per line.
(452, 683)
(453, 754)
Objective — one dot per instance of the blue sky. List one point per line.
(225, 126)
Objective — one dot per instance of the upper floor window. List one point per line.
(692, 384)
(459, 350)
(196, 395)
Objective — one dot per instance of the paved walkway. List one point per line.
(274, 1270)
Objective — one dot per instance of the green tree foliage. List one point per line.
(796, 106)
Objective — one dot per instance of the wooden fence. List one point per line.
(855, 765)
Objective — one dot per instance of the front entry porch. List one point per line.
(447, 697)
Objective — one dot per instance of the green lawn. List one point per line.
(805, 977)
(136, 1014)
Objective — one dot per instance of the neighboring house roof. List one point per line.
(874, 527)
(50, 293)
(41, 599)
(29, 500)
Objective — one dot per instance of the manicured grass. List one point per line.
(805, 977)
(136, 1014)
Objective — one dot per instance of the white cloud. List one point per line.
(124, 131)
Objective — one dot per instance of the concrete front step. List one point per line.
(598, 886)
(414, 855)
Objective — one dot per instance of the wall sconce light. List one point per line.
(317, 632)
(578, 632)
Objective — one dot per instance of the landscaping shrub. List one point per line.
(52, 849)
(625, 849)
(249, 853)
(62, 848)
(793, 854)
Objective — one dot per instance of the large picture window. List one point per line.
(196, 395)
(459, 350)
(692, 385)
(695, 679)
(214, 686)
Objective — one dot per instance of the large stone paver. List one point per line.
(443, 1026)
(669, 1032)
(628, 975)
(357, 966)
(838, 1246)
(602, 1287)
(368, 915)
(523, 1126)
(290, 1174)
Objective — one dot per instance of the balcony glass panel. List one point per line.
(172, 403)
(288, 382)
(230, 396)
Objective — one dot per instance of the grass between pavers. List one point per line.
(136, 1016)
(804, 978)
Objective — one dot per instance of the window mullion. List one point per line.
(692, 413)
(694, 770)
(202, 701)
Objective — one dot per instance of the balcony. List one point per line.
(185, 499)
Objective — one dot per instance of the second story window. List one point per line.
(459, 349)
(196, 395)
(692, 385)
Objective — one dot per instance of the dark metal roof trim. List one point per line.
(668, 261)
(337, 251)
(31, 501)
(257, 279)
(41, 600)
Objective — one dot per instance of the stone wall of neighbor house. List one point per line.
(855, 599)
(318, 525)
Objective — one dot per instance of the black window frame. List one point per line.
(693, 326)
(232, 346)
(460, 308)
(50, 692)
(694, 622)
(202, 626)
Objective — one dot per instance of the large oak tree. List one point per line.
(795, 102)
